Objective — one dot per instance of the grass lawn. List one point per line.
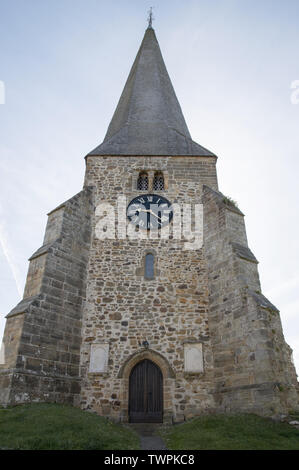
(51, 426)
(238, 432)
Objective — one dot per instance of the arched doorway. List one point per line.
(146, 393)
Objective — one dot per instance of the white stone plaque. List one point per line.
(193, 357)
(2, 354)
(99, 353)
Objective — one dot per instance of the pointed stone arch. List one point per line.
(153, 356)
(168, 381)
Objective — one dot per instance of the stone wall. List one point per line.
(43, 332)
(252, 363)
(124, 309)
(84, 294)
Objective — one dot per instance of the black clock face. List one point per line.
(150, 211)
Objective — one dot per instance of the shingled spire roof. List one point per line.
(148, 119)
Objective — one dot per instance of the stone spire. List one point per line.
(148, 119)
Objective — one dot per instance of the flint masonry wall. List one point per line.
(123, 308)
(253, 370)
(43, 332)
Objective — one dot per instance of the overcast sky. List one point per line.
(232, 63)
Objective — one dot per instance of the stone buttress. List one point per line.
(42, 336)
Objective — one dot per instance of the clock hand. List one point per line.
(150, 212)
(147, 210)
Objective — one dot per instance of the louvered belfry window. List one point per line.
(142, 182)
(158, 183)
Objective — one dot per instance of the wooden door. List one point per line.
(146, 393)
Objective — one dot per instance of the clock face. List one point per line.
(150, 211)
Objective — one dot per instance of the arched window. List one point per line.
(158, 183)
(142, 182)
(149, 266)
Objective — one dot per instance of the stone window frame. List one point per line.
(151, 174)
(150, 268)
(158, 175)
(143, 178)
(140, 271)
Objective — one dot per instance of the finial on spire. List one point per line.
(150, 18)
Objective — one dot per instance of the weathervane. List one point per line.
(150, 18)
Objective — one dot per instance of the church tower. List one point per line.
(144, 303)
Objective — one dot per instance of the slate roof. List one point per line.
(148, 119)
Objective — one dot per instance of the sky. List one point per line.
(63, 65)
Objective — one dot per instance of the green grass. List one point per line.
(60, 427)
(229, 201)
(238, 432)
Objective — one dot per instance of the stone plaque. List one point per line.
(2, 354)
(193, 357)
(99, 353)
